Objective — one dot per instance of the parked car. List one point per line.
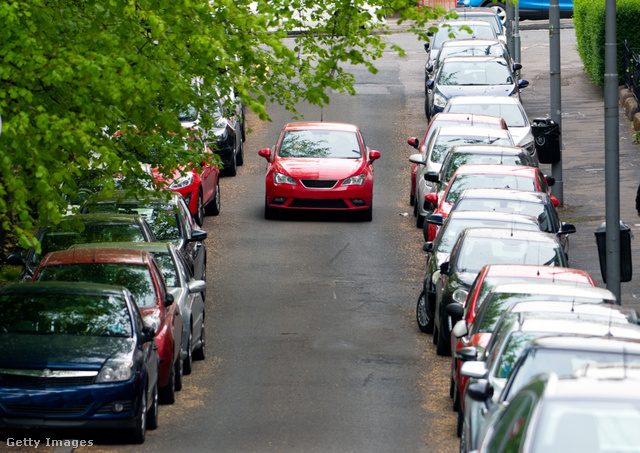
(567, 356)
(224, 132)
(137, 271)
(319, 166)
(511, 335)
(478, 13)
(490, 276)
(488, 176)
(536, 204)
(81, 229)
(467, 76)
(529, 9)
(187, 291)
(460, 29)
(469, 48)
(169, 219)
(571, 414)
(441, 120)
(477, 247)
(76, 355)
(441, 142)
(507, 107)
(439, 250)
(198, 183)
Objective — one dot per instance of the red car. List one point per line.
(476, 176)
(199, 184)
(448, 119)
(490, 276)
(319, 166)
(137, 271)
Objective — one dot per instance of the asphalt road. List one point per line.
(312, 342)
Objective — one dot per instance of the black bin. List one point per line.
(625, 251)
(546, 134)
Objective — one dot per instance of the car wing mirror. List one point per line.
(444, 268)
(551, 181)
(427, 45)
(474, 369)
(197, 286)
(467, 354)
(198, 236)
(432, 198)
(567, 228)
(480, 391)
(416, 159)
(435, 219)
(266, 153)
(523, 84)
(413, 141)
(432, 176)
(427, 247)
(430, 84)
(517, 67)
(168, 300)
(373, 155)
(460, 329)
(148, 334)
(455, 310)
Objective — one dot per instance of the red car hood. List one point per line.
(169, 179)
(301, 168)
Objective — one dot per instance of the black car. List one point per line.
(169, 219)
(83, 228)
(477, 247)
(76, 355)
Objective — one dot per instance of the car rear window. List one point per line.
(462, 182)
(135, 277)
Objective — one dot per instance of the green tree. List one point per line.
(75, 72)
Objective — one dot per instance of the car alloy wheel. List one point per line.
(240, 153)
(168, 393)
(199, 215)
(186, 365)
(152, 414)
(444, 346)
(178, 374)
(139, 432)
(200, 353)
(213, 208)
(424, 319)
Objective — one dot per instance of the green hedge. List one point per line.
(589, 20)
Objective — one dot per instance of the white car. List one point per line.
(441, 142)
(507, 107)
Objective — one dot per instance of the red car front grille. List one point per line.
(319, 183)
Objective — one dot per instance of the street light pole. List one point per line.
(611, 152)
(556, 91)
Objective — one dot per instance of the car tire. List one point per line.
(186, 363)
(444, 346)
(269, 212)
(201, 353)
(213, 208)
(460, 418)
(199, 214)
(427, 112)
(152, 413)
(435, 333)
(463, 438)
(499, 8)
(138, 433)
(425, 231)
(178, 374)
(452, 388)
(424, 320)
(419, 220)
(232, 168)
(367, 214)
(412, 200)
(415, 209)
(240, 153)
(456, 400)
(168, 393)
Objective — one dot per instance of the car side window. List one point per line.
(186, 265)
(186, 217)
(157, 275)
(137, 317)
(508, 435)
(542, 183)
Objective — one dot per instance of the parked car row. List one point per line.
(110, 313)
(537, 351)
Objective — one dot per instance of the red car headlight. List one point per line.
(279, 178)
(354, 180)
(184, 181)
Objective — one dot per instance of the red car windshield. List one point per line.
(320, 144)
(135, 277)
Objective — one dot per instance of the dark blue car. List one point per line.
(529, 9)
(76, 355)
(469, 76)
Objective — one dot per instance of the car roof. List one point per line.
(471, 130)
(491, 215)
(152, 247)
(505, 194)
(473, 10)
(562, 274)
(575, 323)
(96, 255)
(472, 59)
(496, 169)
(471, 117)
(586, 342)
(591, 388)
(489, 99)
(475, 42)
(97, 218)
(555, 308)
(62, 288)
(320, 125)
(460, 23)
(123, 196)
(506, 233)
(486, 149)
(555, 289)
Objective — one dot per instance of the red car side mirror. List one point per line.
(432, 198)
(373, 155)
(265, 152)
(554, 200)
(413, 141)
